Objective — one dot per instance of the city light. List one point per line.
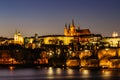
(76, 48)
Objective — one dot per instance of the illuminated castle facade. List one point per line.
(72, 31)
(18, 38)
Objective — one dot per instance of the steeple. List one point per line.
(73, 22)
(65, 30)
(69, 27)
(78, 27)
(16, 31)
(65, 26)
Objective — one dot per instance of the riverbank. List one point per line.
(38, 66)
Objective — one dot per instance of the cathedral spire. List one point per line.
(66, 26)
(69, 27)
(72, 22)
(78, 27)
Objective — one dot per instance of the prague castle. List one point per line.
(72, 31)
(79, 46)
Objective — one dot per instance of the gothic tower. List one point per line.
(72, 29)
(18, 39)
(65, 30)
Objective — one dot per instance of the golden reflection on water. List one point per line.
(85, 73)
(50, 71)
(58, 71)
(11, 68)
(70, 71)
(106, 73)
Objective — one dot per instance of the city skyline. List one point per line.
(46, 17)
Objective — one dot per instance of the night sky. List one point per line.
(48, 17)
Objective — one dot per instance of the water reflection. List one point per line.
(70, 71)
(106, 73)
(51, 73)
(85, 73)
(11, 68)
(58, 71)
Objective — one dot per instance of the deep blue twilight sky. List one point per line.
(47, 17)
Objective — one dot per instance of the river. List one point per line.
(49, 73)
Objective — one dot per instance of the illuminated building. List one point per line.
(71, 34)
(72, 31)
(73, 62)
(18, 39)
(113, 41)
(109, 57)
(57, 39)
(89, 38)
(114, 34)
(35, 42)
(82, 36)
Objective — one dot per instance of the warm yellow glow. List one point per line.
(84, 53)
(70, 71)
(106, 73)
(66, 40)
(58, 71)
(106, 53)
(18, 39)
(105, 63)
(107, 49)
(83, 63)
(72, 63)
(118, 51)
(113, 41)
(50, 71)
(85, 72)
(11, 68)
(114, 34)
(72, 31)
(31, 40)
(115, 63)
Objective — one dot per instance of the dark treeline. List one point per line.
(19, 53)
(24, 55)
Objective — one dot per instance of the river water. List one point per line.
(49, 73)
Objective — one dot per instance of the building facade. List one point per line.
(113, 41)
(72, 31)
(18, 38)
